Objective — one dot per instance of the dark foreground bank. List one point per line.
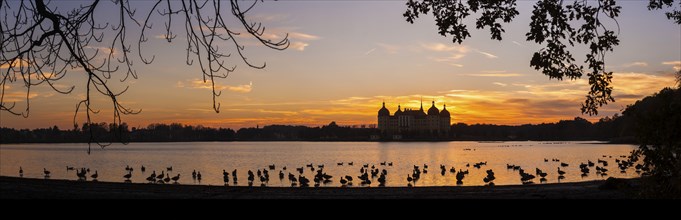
(23, 188)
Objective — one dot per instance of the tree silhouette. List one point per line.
(44, 41)
(556, 25)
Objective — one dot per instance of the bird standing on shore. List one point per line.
(47, 173)
(127, 176)
(176, 178)
(21, 172)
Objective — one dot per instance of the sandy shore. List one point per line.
(24, 188)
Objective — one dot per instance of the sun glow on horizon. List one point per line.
(341, 68)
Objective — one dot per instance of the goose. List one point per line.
(281, 175)
(272, 167)
(351, 163)
(167, 179)
(349, 178)
(225, 178)
(198, 176)
(153, 175)
(409, 179)
(127, 176)
(560, 172)
(176, 178)
(143, 168)
(47, 172)
(69, 168)
(234, 178)
(343, 181)
(94, 176)
(339, 164)
(292, 178)
(390, 164)
(170, 168)
(21, 172)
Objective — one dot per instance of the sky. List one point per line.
(346, 57)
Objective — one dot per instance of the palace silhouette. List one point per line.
(414, 122)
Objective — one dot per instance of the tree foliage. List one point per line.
(557, 25)
(42, 42)
(656, 121)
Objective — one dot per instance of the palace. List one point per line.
(415, 122)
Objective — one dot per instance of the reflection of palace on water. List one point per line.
(415, 122)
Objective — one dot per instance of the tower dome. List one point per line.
(444, 112)
(399, 110)
(383, 111)
(433, 110)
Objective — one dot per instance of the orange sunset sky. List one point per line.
(346, 57)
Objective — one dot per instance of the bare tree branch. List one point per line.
(43, 43)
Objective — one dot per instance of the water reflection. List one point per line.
(283, 164)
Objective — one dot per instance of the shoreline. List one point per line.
(26, 188)
(381, 141)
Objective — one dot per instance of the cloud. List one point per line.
(299, 46)
(298, 40)
(270, 17)
(302, 36)
(370, 51)
(494, 74)
(639, 64)
(516, 43)
(500, 84)
(17, 63)
(440, 47)
(675, 64)
(389, 48)
(18, 96)
(453, 57)
(488, 55)
(199, 84)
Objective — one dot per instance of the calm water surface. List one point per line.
(210, 158)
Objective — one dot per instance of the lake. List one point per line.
(210, 158)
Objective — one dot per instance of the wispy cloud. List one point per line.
(298, 45)
(517, 43)
(440, 47)
(389, 48)
(18, 63)
(270, 17)
(199, 84)
(675, 64)
(370, 51)
(495, 74)
(302, 36)
(500, 84)
(298, 40)
(488, 55)
(638, 64)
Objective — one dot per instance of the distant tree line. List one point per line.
(616, 129)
